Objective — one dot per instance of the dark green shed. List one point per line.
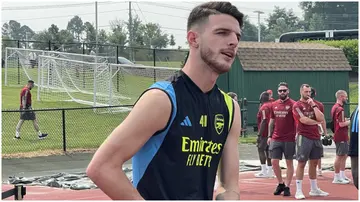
(261, 66)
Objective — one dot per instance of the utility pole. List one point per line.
(96, 53)
(130, 33)
(96, 32)
(27, 40)
(259, 27)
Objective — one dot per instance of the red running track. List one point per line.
(251, 188)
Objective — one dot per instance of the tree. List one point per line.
(119, 34)
(316, 22)
(172, 40)
(76, 27)
(5, 30)
(26, 33)
(153, 36)
(136, 31)
(336, 15)
(90, 36)
(288, 16)
(277, 29)
(250, 31)
(281, 21)
(14, 30)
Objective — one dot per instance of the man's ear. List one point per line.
(193, 39)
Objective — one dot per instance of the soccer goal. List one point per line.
(22, 64)
(96, 84)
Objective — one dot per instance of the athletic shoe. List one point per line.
(299, 195)
(318, 192)
(287, 191)
(17, 138)
(347, 179)
(270, 174)
(279, 189)
(319, 172)
(261, 175)
(42, 136)
(340, 181)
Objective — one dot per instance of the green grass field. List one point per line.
(85, 129)
(176, 64)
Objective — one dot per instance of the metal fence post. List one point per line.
(64, 130)
(18, 61)
(154, 57)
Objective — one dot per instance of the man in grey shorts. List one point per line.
(341, 138)
(263, 118)
(281, 138)
(308, 144)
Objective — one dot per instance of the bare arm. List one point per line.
(319, 115)
(105, 169)
(308, 121)
(263, 122)
(343, 122)
(302, 118)
(323, 125)
(229, 165)
(271, 127)
(24, 100)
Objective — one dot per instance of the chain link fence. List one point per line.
(115, 53)
(68, 129)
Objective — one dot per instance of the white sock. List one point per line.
(40, 133)
(263, 168)
(17, 134)
(298, 185)
(313, 184)
(337, 176)
(342, 174)
(269, 168)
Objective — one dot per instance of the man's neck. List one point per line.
(339, 102)
(201, 74)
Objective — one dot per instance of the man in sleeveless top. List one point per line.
(179, 129)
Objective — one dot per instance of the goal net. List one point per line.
(96, 84)
(22, 64)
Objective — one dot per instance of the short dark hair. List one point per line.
(31, 81)
(304, 85)
(202, 12)
(313, 92)
(283, 84)
(264, 97)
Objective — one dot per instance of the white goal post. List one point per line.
(63, 76)
(96, 84)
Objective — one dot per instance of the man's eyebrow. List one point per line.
(239, 34)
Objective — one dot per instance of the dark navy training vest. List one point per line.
(180, 162)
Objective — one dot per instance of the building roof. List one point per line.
(271, 56)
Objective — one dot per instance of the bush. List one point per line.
(350, 48)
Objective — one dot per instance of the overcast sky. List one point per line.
(171, 15)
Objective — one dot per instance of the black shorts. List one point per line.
(342, 148)
(277, 149)
(308, 148)
(27, 115)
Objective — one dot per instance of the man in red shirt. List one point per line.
(263, 118)
(25, 111)
(322, 126)
(341, 138)
(308, 143)
(282, 138)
